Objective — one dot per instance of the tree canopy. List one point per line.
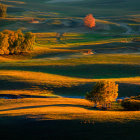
(89, 21)
(15, 42)
(103, 93)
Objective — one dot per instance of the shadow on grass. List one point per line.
(55, 105)
(23, 128)
(12, 85)
(96, 71)
(116, 46)
(125, 90)
(12, 96)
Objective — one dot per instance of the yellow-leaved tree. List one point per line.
(16, 42)
(103, 93)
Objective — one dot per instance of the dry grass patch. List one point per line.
(64, 109)
(55, 80)
(42, 78)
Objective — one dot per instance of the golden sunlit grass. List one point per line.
(55, 80)
(77, 44)
(28, 75)
(106, 22)
(16, 2)
(63, 109)
(3, 59)
(31, 92)
(93, 42)
(131, 59)
(68, 45)
(42, 78)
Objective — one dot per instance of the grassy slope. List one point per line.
(64, 119)
(37, 69)
(74, 108)
(36, 75)
(100, 8)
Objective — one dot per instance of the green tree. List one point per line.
(103, 93)
(3, 10)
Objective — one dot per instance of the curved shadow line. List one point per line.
(61, 105)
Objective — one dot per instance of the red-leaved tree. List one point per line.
(89, 21)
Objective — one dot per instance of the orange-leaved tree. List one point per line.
(89, 21)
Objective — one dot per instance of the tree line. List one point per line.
(16, 42)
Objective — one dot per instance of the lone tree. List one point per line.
(3, 10)
(103, 93)
(89, 21)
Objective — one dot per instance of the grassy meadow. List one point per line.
(42, 94)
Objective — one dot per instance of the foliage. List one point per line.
(89, 21)
(4, 44)
(103, 93)
(132, 103)
(28, 41)
(3, 10)
(15, 42)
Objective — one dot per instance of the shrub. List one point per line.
(89, 21)
(15, 42)
(3, 10)
(119, 101)
(103, 93)
(131, 103)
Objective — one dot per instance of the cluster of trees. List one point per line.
(15, 42)
(103, 93)
(3, 10)
(89, 21)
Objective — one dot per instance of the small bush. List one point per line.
(119, 101)
(131, 103)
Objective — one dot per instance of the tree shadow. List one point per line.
(12, 85)
(22, 127)
(52, 105)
